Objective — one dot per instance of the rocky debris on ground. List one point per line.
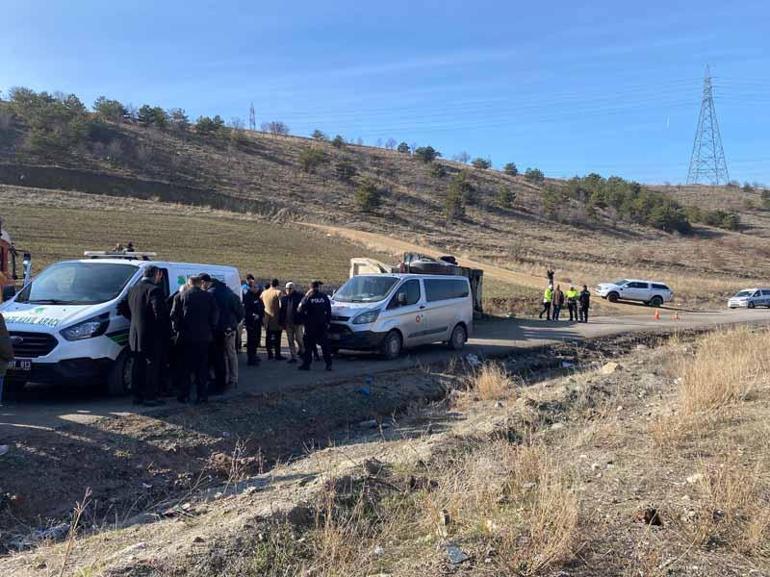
(456, 555)
(373, 466)
(649, 516)
(611, 368)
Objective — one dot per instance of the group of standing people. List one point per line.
(198, 334)
(578, 303)
(304, 318)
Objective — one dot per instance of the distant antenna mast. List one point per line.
(252, 118)
(707, 162)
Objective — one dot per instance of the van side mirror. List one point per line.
(401, 299)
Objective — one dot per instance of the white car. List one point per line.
(750, 298)
(65, 326)
(391, 312)
(653, 293)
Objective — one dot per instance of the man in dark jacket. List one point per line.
(316, 311)
(194, 317)
(224, 355)
(291, 321)
(585, 302)
(148, 335)
(254, 311)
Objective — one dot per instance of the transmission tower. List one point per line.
(707, 162)
(252, 118)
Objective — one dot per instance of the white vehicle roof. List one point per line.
(139, 263)
(643, 280)
(402, 275)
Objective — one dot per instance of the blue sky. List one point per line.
(569, 87)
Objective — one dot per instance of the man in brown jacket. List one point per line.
(271, 298)
(6, 353)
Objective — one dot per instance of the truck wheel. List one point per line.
(458, 338)
(119, 377)
(391, 346)
(656, 301)
(613, 297)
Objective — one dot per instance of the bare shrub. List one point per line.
(491, 381)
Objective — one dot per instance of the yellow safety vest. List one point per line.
(548, 295)
(572, 294)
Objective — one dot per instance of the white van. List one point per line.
(65, 327)
(750, 298)
(389, 312)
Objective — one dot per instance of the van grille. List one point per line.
(32, 345)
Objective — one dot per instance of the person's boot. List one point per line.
(328, 366)
(304, 367)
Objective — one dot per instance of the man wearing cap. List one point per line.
(290, 320)
(194, 316)
(254, 315)
(148, 335)
(316, 311)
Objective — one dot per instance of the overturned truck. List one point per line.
(417, 263)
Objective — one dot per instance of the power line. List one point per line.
(707, 161)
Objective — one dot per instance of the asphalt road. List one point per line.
(48, 407)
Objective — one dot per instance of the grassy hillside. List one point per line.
(293, 179)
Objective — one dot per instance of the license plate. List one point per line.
(20, 365)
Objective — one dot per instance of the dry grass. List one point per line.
(734, 506)
(726, 368)
(514, 502)
(491, 382)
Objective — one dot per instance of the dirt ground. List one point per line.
(202, 493)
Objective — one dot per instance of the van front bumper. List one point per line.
(342, 337)
(83, 371)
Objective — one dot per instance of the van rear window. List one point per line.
(661, 287)
(445, 289)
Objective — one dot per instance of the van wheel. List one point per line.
(656, 301)
(751, 305)
(458, 339)
(612, 297)
(392, 345)
(119, 377)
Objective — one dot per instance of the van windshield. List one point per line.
(620, 282)
(744, 293)
(365, 289)
(77, 283)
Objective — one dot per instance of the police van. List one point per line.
(65, 326)
(392, 311)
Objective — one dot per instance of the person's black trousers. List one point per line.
(218, 362)
(273, 343)
(584, 314)
(311, 340)
(253, 337)
(546, 310)
(144, 375)
(556, 312)
(573, 314)
(196, 362)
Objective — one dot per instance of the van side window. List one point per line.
(411, 290)
(640, 285)
(445, 289)
(766, 292)
(660, 287)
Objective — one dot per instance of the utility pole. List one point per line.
(707, 161)
(252, 118)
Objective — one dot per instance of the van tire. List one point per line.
(392, 345)
(656, 301)
(751, 305)
(458, 338)
(613, 297)
(119, 377)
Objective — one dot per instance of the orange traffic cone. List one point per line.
(656, 316)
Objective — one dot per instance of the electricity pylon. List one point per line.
(707, 162)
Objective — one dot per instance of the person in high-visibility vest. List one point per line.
(572, 302)
(547, 300)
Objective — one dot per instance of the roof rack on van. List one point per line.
(128, 255)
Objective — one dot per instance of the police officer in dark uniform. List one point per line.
(315, 310)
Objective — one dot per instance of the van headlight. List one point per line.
(88, 329)
(366, 317)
